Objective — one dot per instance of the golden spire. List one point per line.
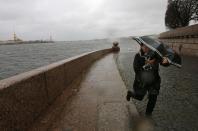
(15, 37)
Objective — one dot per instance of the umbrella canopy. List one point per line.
(161, 49)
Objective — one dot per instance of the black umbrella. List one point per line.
(161, 49)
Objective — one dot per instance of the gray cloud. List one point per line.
(77, 19)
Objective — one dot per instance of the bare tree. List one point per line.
(180, 12)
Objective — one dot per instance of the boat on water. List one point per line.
(17, 40)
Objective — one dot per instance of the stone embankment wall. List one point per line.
(183, 40)
(25, 96)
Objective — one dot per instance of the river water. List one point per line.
(15, 59)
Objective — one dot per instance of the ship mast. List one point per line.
(50, 38)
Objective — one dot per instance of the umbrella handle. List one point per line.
(175, 64)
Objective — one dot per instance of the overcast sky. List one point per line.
(80, 19)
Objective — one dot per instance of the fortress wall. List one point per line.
(25, 96)
(183, 40)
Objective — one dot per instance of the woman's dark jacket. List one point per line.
(139, 62)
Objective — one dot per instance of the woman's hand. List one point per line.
(165, 60)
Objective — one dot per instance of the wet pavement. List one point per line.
(95, 102)
(177, 105)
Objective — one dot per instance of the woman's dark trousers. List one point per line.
(151, 104)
